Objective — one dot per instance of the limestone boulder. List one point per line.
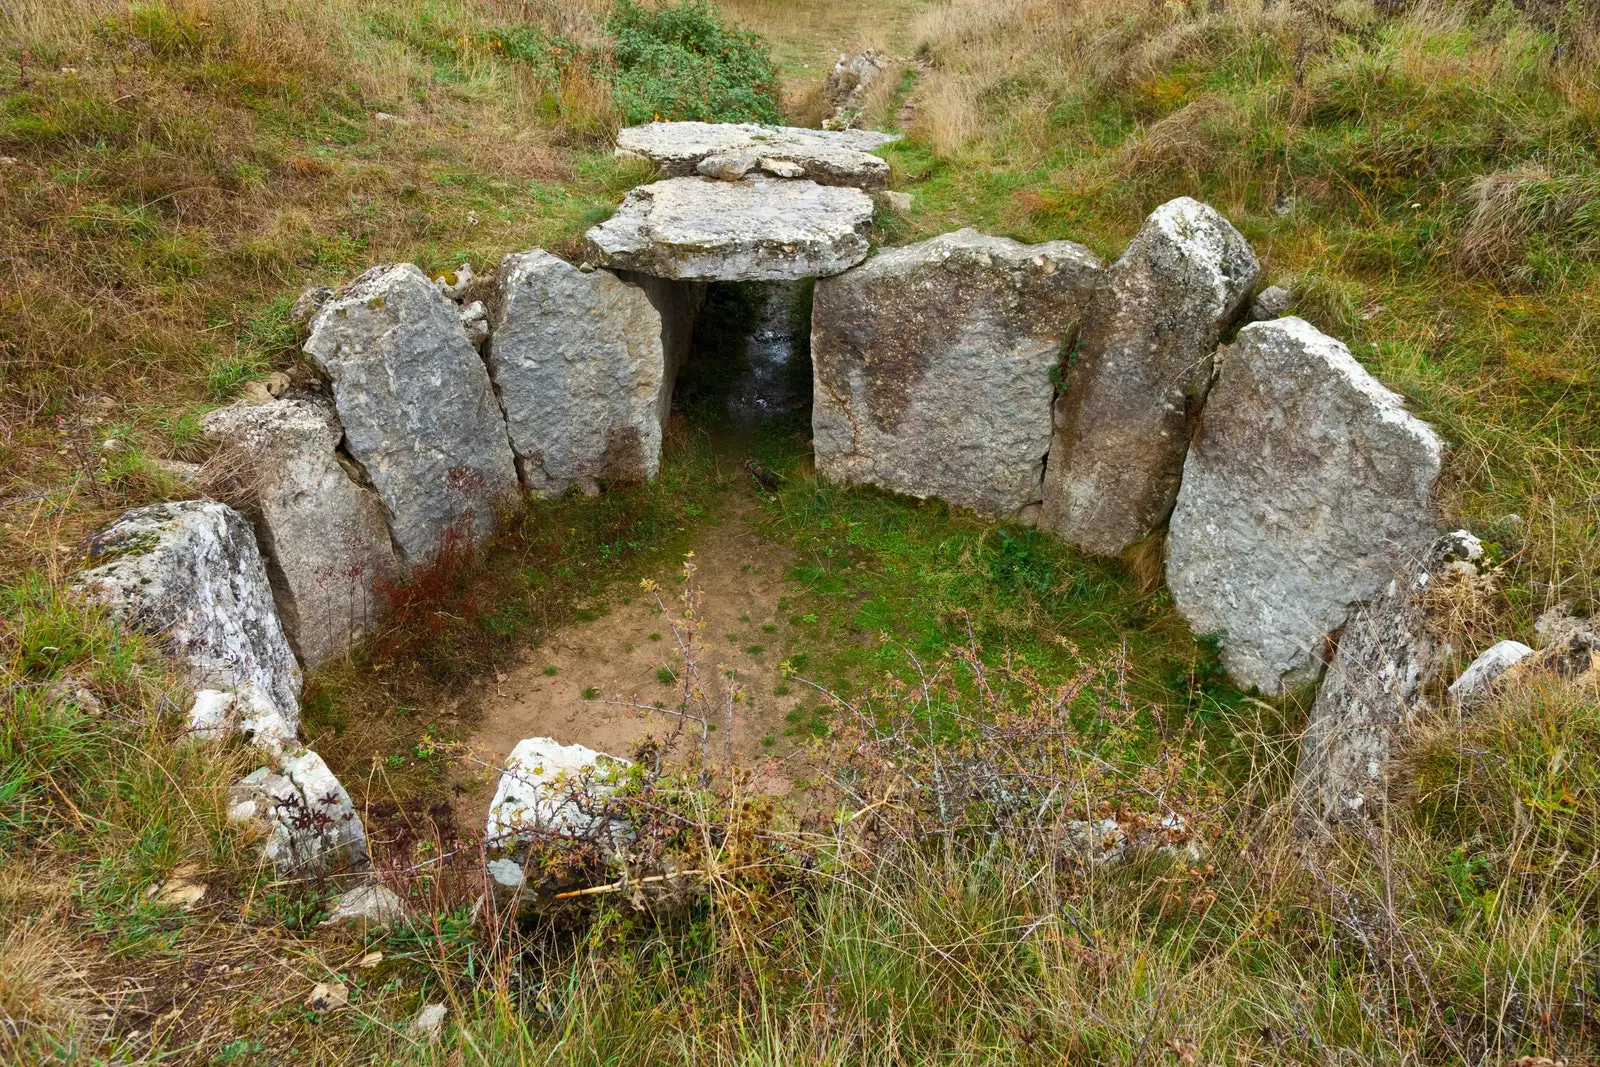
(827, 157)
(1387, 667)
(550, 792)
(306, 816)
(758, 229)
(578, 364)
(1307, 488)
(419, 415)
(323, 534)
(1132, 397)
(190, 574)
(678, 304)
(933, 366)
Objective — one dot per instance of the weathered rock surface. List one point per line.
(306, 814)
(759, 229)
(933, 363)
(847, 83)
(1386, 668)
(1306, 489)
(324, 535)
(366, 907)
(1272, 302)
(1477, 683)
(578, 364)
(418, 412)
(1131, 399)
(827, 157)
(678, 304)
(550, 791)
(191, 574)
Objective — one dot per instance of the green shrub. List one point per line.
(681, 62)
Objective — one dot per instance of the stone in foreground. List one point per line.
(191, 574)
(324, 535)
(1481, 678)
(367, 907)
(1386, 669)
(1132, 397)
(550, 791)
(577, 361)
(419, 415)
(758, 229)
(1306, 489)
(309, 821)
(933, 363)
(827, 157)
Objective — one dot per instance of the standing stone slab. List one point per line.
(758, 229)
(191, 574)
(324, 535)
(828, 157)
(678, 304)
(419, 415)
(932, 366)
(1386, 669)
(577, 362)
(1306, 489)
(1143, 366)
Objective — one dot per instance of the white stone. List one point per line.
(933, 366)
(419, 415)
(828, 157)
(454, 283)
(429, 1022)
(544, 790)
(367, 906)
(307, 817)
(1305, 491)
(1476, 683)
(475, 321)
(758, 229)
(191, 574)
(578, 364)
(324, 535)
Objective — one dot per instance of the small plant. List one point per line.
(666, 676)
(590, 693)
(550, 671)
(753, 650)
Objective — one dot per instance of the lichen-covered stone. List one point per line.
(1478, 682)
(1306, 489)
(190, 573)
(758, 229)
(309, 823)
(933, 366)
(1139, 376)
(418, 412)
(326, 543)
(678, 304)
(548, 792)
(828, 157)
(578, 364)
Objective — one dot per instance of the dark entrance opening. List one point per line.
(749, 362)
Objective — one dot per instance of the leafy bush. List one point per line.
(682, 62)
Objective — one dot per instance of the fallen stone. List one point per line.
(309, 822)
(729, 166)
(1271, 303)
(1132, 397)
(1557, 622)
(190, 573)
(211, 714)
(1306, 490)
(578, 364)
(454, 283)
(418, 412)
(1571, 655)
(896, 203)
(326, 542)
(828, 157)
(550, 791)
(1478, 682)
(1388, 662)
(182, 888)
(933, 366)
(781, 168)
(328, 996)
(429, 1022)
(367, 907)
(758, 229)
(308, 304)
(475, 320)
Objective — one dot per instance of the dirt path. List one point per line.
(741, 579)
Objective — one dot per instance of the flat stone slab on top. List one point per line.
(758, 229)
(827, 157)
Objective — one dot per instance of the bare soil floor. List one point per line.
(741, 581)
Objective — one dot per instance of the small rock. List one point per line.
(111, 444)
(1555, 624)
(475, 320)
(277, 383)
(9, 161)
(895, 202)
(211, 714)
(308, 305)
(306, 814)
(187, 473)
(1100, 841)
(429, 1022)
(180, 889)
(368, 907)
(1272, 302)
(326, 996)
(454, 283)
(1477, 682)
(782, 168)
(729, 166)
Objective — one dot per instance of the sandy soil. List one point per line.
(740, 577)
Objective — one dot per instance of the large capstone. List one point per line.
(578, 363)
(550, 793)
(1131, 398)
(1306, 489)
(323, 533)
(309, 823)
(933, 366)
(419, 415)
(190, 573)
(827, 157)
(758, 229)
(1387, 669)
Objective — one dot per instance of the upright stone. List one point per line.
(1130, 401)
(933, 366)
(419, 415)
(577, 361)
(324, 535)
(678, 304)
(190, 574)
(1306, 489)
